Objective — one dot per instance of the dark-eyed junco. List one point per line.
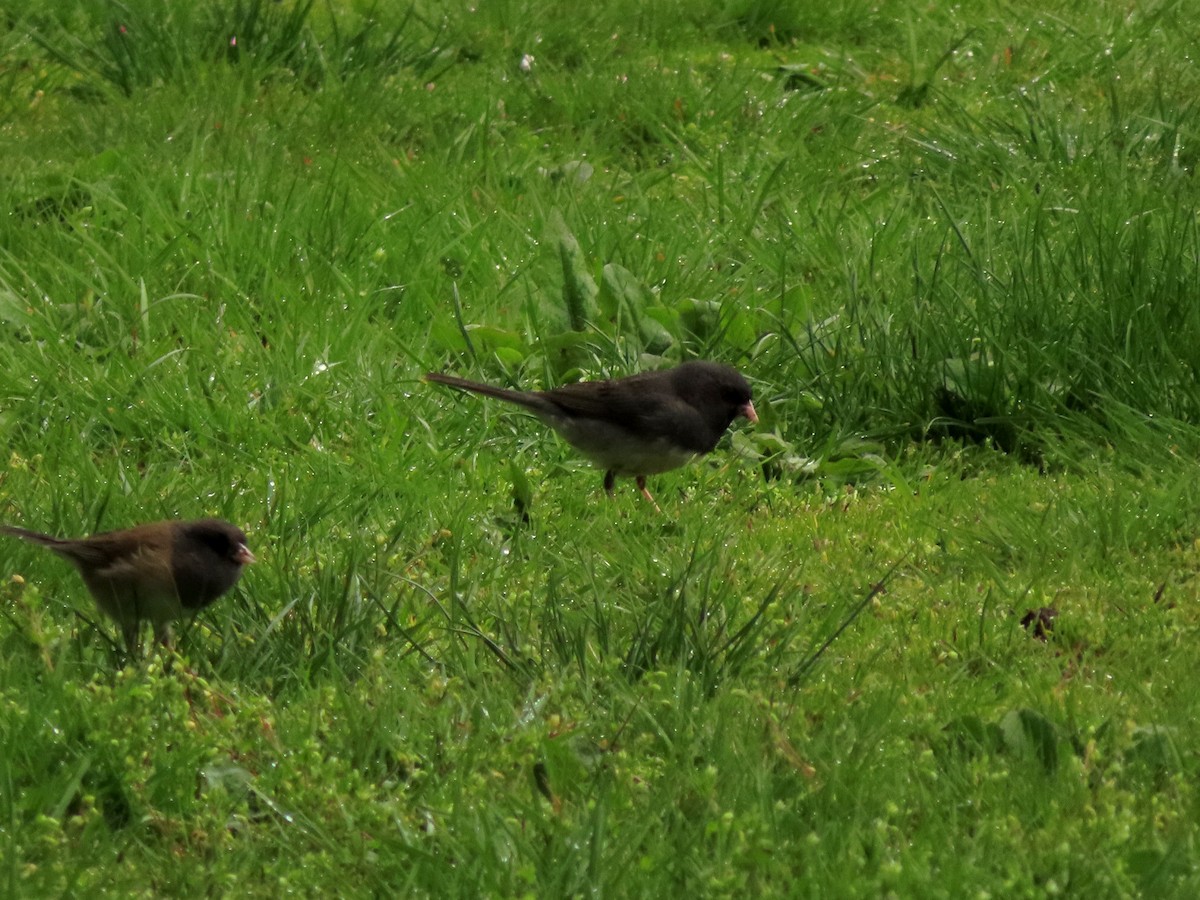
(640, 425)
(161, 571)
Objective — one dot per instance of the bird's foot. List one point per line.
(641, 483)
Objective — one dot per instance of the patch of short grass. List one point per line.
(954, 251)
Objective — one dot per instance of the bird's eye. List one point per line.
(218, 542)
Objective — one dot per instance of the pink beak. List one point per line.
(748, 411)
(242, 555)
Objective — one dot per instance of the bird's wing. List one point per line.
(142, 565)
(637, 404)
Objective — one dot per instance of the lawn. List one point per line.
(924, 631)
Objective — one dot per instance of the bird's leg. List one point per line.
(610, 478)
(641, 483)
(162, 633)
(130, 631)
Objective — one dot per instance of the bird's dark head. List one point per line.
(223, 540)
(716, 387)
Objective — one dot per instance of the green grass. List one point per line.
(953, 247)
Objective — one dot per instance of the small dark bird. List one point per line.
(161, 571)
(640, 425)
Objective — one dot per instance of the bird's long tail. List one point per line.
(35, 537)
(521, 398)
